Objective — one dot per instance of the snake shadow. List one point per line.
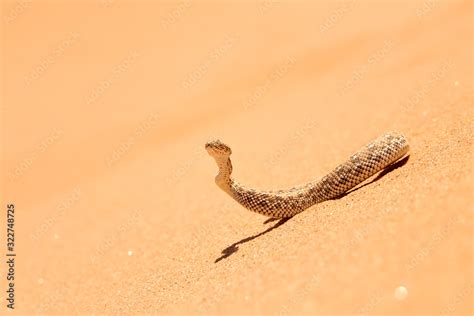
(227, 252)
(235, 246)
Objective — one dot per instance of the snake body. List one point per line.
(369, 160)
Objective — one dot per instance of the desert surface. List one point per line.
(106, 107)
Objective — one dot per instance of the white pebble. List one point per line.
(401, 293)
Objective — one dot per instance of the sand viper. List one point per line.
(372, 158)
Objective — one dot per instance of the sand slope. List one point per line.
(107, 106)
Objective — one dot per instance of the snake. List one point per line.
(369, 160)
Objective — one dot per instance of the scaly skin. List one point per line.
(372, 158)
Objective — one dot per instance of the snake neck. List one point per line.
(223, 179)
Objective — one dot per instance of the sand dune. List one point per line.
(107, 106)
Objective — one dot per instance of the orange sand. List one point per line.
(106, 106)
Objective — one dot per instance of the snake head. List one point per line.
(217, 149)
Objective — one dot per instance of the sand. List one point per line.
(106, 106)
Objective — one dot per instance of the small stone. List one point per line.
(401, 293)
